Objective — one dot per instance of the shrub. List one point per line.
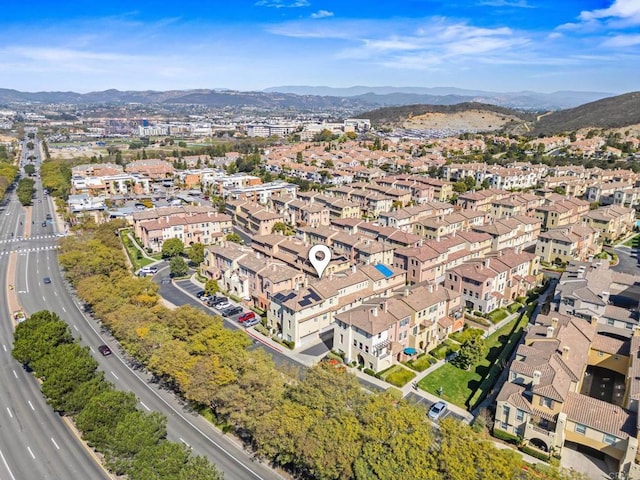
(262, 329)
(398, 376)
(289, 344)
(507, 437)
(514, 307)
(395, 393)
(534, 452)
(368, 371)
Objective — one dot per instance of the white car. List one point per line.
(223, 305)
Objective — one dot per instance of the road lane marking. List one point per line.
(31, 453)
(44, 299)
(4, 347)
(31, 405)
(182, 440)
(92, 350)
(9, 410)
(15, 374)
(54, 442)
(115, 375)
(6, 465)
(147, 408)
(76, 327)
(64, 310)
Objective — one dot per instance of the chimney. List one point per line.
(431, 288)
(554, 322)
(487, 262)
(374, 311)
(384, 306)
(550, 332)
(536, 377)
(594, 320)
(565, 352)
(353, 269)
(406, 291)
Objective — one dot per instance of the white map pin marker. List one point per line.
(319, 256)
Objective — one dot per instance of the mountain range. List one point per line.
(353, 99)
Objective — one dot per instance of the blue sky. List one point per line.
(498, 45)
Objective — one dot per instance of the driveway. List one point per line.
(628, 260)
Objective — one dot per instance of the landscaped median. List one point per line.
(466, 388)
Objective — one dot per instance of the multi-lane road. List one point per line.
(44, 432)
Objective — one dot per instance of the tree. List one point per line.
(280, 227)
(38, 336)
(101, 415)
(299, 157)
(234, 237)
(172, 247)
(196, 253)
(199, 468)
(178, 267)
(29, 169)
(137, 430)
(159, 462)
(470, 352)
(211, 287)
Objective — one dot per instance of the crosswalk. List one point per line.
(35, 237)
(29, 250)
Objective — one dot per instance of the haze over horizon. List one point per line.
(493, 45)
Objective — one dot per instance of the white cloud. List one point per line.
(622, 41)
(507, 3)
(282, 3)
(622, 9)
(322, 14)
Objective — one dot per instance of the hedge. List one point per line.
(507, 437)
(534, 452)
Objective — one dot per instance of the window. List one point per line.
(341, 338)
(546, 402)
(609, 439)
(581, 429)
(520, 415)
(355, 343)
(610, 321)
(506, 411)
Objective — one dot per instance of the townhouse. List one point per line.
(518, 231)
(493, 282)
(561, 211)
(571, 242)
(155, 169)
(252, 217)
(613, 222)
(549, 398)
(303, 315)
(593, 291)
(205, 228)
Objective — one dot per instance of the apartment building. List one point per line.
(261, 193)
(205, 228)
(155, 169)
(166, 212)
(248, 275)
(494, 282)
(549, 398)
(567, 243)
(303, 315)
(517, 204)
(252, 217)
(592, 290)
(518, 231)
(96, 170)
(613, 222)
(565, 211)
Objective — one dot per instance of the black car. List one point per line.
(49, 217)
(46, 280)
(214, 301)
(44, 224)
(104, 350)
(227, 312)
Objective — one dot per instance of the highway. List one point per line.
(37, 260)
(35, 442)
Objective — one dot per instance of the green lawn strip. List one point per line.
(459, 386)
(444, 349)
(420, 364)
(397, 375)
(633, 241)
(498, 315)
(137, 259)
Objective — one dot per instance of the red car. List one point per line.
(246, 316)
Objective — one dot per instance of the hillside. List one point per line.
(462, 116)
(613, 112)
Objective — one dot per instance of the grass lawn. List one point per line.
(466, 333)
(398, 376)
(465, 388)
(444, 349)
(421, 363)
(633, 242)
(498, 315)
(137, 259)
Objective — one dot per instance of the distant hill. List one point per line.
(449, 95)
(462, 116)
(356, 98)
(613, 112)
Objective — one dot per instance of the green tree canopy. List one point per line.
(234, 237)
(178, 267)
(470, 353)
(172, 247)
(36, 337)
(102, 413)
(196, 253)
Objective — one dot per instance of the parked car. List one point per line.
(215, 301)
(251, 322)
(437, 411)
(245, 317)
(104, 350)
(232, 310)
